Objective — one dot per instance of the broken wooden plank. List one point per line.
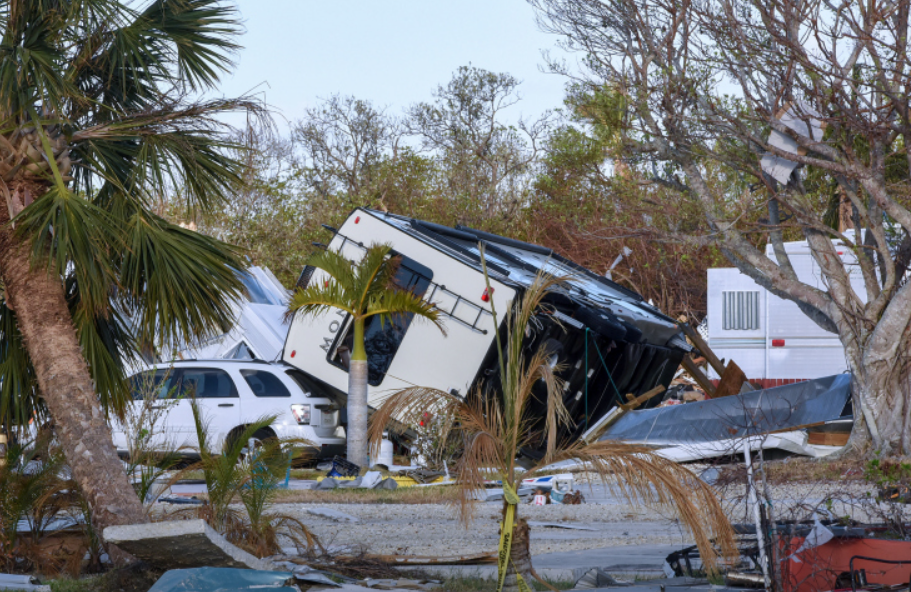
(600, 426)
(467, 559)
(638, 401)
(732, 380)
(703, 348)
(828, 438)
(698, 375)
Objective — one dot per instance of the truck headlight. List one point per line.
(301, 413)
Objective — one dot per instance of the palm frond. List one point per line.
(371, 274)
(648, 480)
(181, 146)
(537, 369)
(407, 407)
(480, 420)
(199, 33)
(65, 230)
(30, 60)
(390, 304)
(318, 299)
(386, 274)
(19, 396)
(177, 283)
(124, 55)
(336, 266)
(108, 346)
(496, 425)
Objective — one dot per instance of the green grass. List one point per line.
(134, 578)
(71, 585)
(442, 494)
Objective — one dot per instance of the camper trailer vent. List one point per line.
(740, 310)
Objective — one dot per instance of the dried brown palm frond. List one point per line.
(633, 472)
(497, 425)
(645, 479)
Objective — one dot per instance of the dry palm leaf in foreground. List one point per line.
(496, 425)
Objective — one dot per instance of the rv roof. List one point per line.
(517, 260)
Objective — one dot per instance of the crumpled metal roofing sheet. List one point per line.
(757, 412)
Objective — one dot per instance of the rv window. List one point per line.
(382, 339)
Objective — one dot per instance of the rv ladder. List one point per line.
(474, 313)
(459, 300)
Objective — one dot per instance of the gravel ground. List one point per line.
(435, 529)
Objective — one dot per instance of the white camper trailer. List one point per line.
(771, 340)
(610, 342)
(259, 328)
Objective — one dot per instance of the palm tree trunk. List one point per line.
(37, 299)
(357, 412)
(357, 399)
(519, 558)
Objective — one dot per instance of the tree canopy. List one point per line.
(775, 120)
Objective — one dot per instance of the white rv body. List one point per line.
(641, 346)
(771, 340)
(467, 319)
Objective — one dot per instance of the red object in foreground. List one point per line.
(488, 292)
(778, 343)
(820, 566)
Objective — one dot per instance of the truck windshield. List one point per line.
(382, 339)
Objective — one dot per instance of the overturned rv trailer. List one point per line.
(609, 342)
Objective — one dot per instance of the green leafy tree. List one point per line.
(364, 290)
(99, 111)
(590, 204)
(797, 143)
(486, 163)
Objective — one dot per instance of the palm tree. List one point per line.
(99, 116)
(364, 290)
(496, 428)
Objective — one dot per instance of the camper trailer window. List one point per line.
(382, 339)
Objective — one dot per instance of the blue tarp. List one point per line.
(736, 416)
(223, 579)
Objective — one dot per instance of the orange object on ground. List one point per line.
(820, 566)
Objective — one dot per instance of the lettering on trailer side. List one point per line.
(333, 328)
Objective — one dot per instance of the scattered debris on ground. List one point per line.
(178, 544)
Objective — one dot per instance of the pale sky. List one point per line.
(393, 53)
